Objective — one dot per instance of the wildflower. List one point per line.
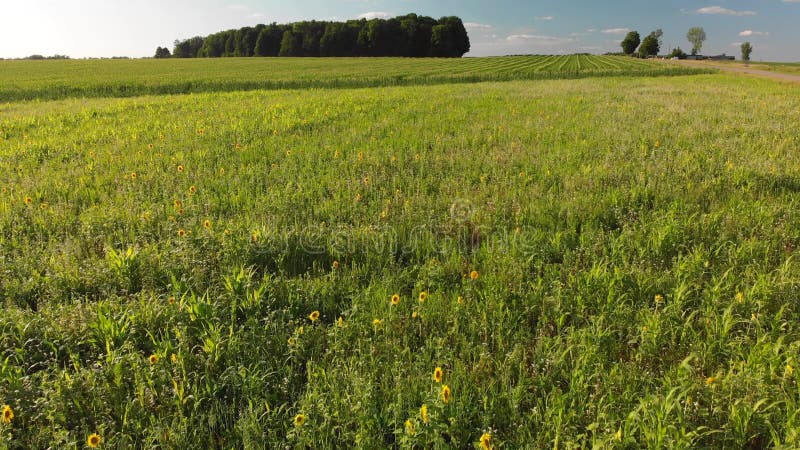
(710, 381)
(446, 393)
(473, 275)
(423, 413)
(28, 200)
(438, 373)
(335, 265)
(340, 322)
(659, 299)
(207, 224)
(376, 322)
(414, 315)
(739, 297)
(174, 358)
(423, 296)
(409, 427)
(486, 441)
(181, 232)
(153, 359)
(395, 299)
(180, 168)
(8, 414)
(192, 190)
(299, 420)
(94, 440)
(314, 316)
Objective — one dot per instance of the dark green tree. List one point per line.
(162, 52)
(631, 42)
(269, 41)
(189, 48)
(747, 49)
(449, 38)
(649, 46)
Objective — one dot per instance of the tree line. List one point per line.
(410, 36)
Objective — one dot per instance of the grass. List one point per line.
(633, 241)
(41, 80)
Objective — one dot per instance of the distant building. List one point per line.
(722, 57)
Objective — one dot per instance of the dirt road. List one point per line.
(744, 70)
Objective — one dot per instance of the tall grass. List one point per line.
(633, 243)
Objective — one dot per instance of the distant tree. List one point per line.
(630, 43)
(696, 37)
(677, 53)
(659, 33)
(291, 45)
(339, 39)
(269, 41)
(162, 52)
(747, 49)
(189, 48)
(449, 38)
(649, 46)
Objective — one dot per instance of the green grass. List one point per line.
(635, 240)
(30, 80)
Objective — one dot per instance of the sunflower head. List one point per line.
(299, 420)
(153, 359)
(396, 299)
(474, 275)
(438, 374)
(8, 414)
(94, 440)
(314, 316)
(486, 441)
(423, 413)
(445, 394)
(423, 296)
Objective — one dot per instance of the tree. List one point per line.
(162, 52)
(677, 53)
(269, 41)
(631, 41)
(747, 49)
(649, 46)
(189, 48)
(696, 37)
(449, 38)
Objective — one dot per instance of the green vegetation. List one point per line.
(23, 80)
(410, 36)
(607, 262)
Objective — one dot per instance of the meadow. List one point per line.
(47, 80)
(606, 262)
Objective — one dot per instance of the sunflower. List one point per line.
(299, 420)
(446, 393)
(133, 175)
(314, 316)
(171, 300)
(409, 427)
(192, 190)
(153, 359)
(8, 414)
(207, 224)
(486, 441)
(178, 204)
(474, 275)
(423, 413)
(376, 322)
(423, 296)
(335, 265)
(94, 440)
(28, 200)
(181, 232)
(396, 299)
(438, 374)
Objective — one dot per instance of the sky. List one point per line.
(106, 28)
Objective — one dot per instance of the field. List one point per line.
(607, 262)
(26, 80)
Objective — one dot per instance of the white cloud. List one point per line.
(616, 30)
(545, 18)
(476, 26)
(375, 15)
(719, 10)
(747, 33)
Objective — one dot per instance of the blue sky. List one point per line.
(86, 28)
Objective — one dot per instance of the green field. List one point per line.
(26, 80)
(606, 262)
